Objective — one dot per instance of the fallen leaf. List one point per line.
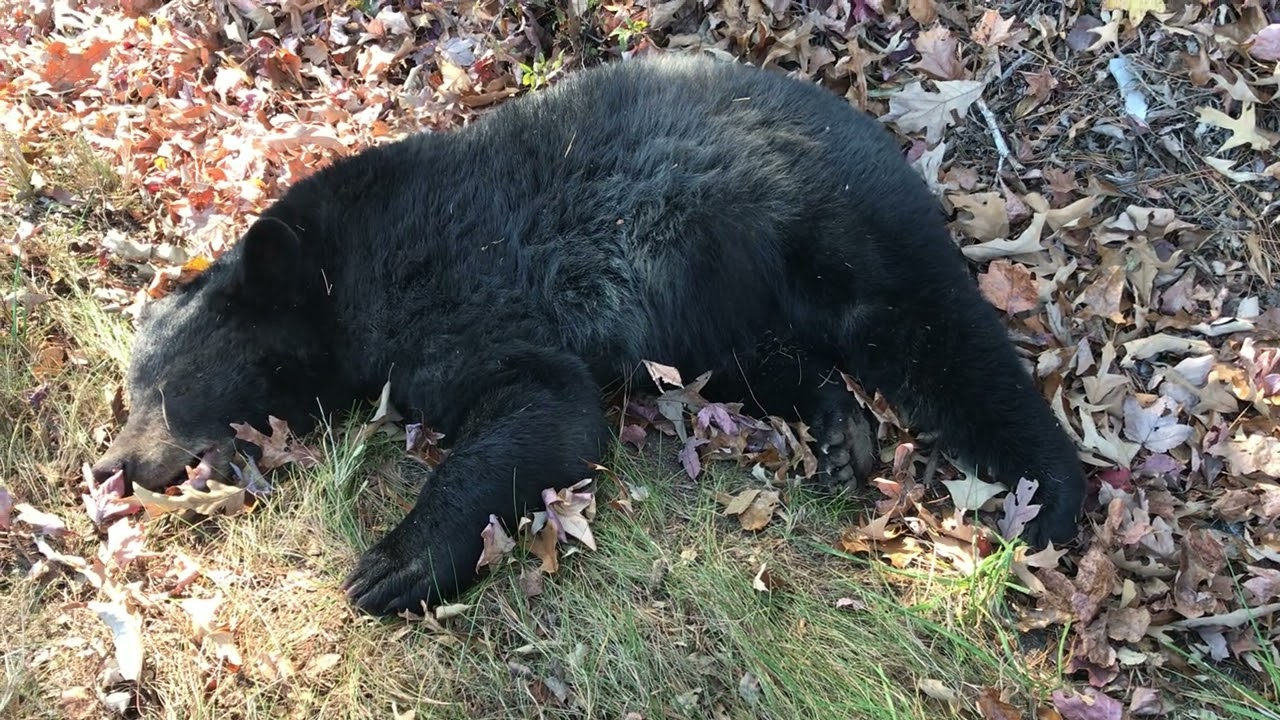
(6, 506)
(1091, 705)
(663, 374)
(1152, 427)
(939, 54)
(497, 544)
(766, 580)
(754, 508)
(1244, 129)
(44, 523)
(1009, 287)
(279, 448)
(970, 493)
(939, 690)
(1265, 45)
(219, 499)
(992, 707)
(126, 634)
(1018, 509)
(982, 215)
(571, 511)
(106, 502)
(444, 612)
(915, 108)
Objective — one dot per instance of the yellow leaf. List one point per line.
(1244, 129)
(1135, 9)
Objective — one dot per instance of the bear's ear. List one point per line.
(270, 270)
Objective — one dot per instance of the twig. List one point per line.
(1002, 148)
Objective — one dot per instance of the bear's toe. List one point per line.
(385, 582)
(845, 446)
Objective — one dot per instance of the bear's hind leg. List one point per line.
(941, 356)
(797, 383)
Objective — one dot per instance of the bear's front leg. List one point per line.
(536, 423)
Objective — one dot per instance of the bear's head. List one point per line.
(246, 339)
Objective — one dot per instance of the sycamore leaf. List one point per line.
(1244, 129)
(915, 108)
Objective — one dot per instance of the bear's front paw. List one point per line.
(389, 578)
(1060, 500)
(1056, 522)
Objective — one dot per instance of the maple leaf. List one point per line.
(1009, 287)
(915, 108)
(1244, 129)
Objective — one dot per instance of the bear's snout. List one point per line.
(153, 458)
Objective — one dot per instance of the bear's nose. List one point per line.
(105, 468)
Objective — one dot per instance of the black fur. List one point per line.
(680, 210)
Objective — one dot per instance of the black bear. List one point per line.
(691, 211)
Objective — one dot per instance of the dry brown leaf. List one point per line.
(219, 499)
(939, 54)
(753, 507)
(915, 108)
(1009, 287)
(982, 215)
